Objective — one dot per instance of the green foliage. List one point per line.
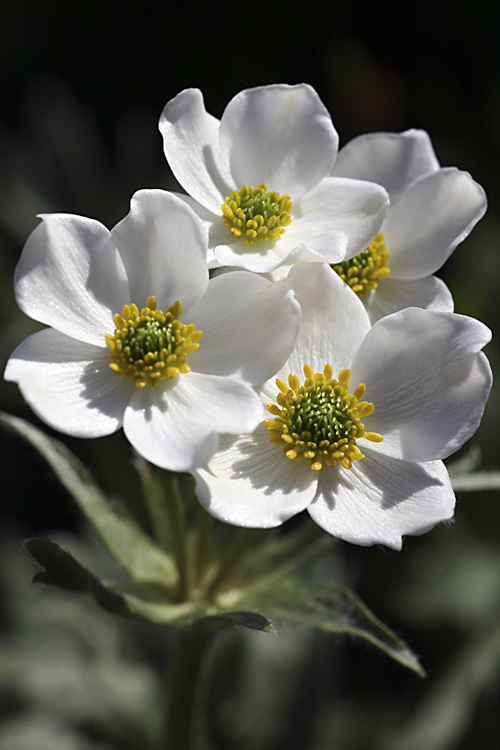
(119, 533)
(334, 609)
(252, 579)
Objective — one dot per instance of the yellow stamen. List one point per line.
(320, 420)
(364, 272)
(149, 345)
(256, 215)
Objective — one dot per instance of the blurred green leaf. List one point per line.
(478, 480)
(335, 609)
(118, 531)
(60, 569)
(250, 620)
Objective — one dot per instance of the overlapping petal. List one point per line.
(381, 499)
(177, 425)
(428, 379)
(191, 143)
(393, 160)
(334, 321)
(68, 384)
(438, 212)
(263, 257)
(164, 249)
(393, 295)
(280, 135)
(71, 277)
(337, 219)
(249, 327)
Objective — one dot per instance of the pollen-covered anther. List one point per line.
(150, 345)
(363, 272)
(256, 215)
(320, 420)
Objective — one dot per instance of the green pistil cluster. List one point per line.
(256, 215)
(150, 345)
(363, 272)
(320, 420)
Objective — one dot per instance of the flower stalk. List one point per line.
(187, 680)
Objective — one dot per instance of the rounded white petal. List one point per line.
(432, 216)
(334, 321)
(428, 379)
(191, 145)
(69, 384)
(381, 499)
(70, 276)
(164, 248)
(393, 295)
(176, 425)
(393, 160)
(279, 135)
(338, 218)
(249, 327)
(249, 482)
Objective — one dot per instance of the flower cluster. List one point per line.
(321, 367)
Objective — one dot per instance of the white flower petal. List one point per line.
(249, 327)
(217, 232)
(191, 144)
(334, 321)
(249, 482)
(279, 135)
(338, 218)
(381, 499)
(393, 160)
(428, 380)
(176, 424)
(164, 248)
(70, 276)
(430, 219)
(393, 295)
(262, 257)
(69, 384)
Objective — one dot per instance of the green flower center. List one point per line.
(149, 345)
(364, 271)
(256, 215)
(320, 420)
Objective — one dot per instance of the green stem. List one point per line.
(237, 549)
(157, 505)
(185, 694)
(178, 533)
(203, 539)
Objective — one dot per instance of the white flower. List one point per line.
(432, 210)
(280, 141)
(84, 282)
(428, 382)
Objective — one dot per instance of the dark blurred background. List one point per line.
(82, 85)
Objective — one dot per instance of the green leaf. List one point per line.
(118, 531)
(479, 480)
(60, 569)
(250, 620)
(141, 599)
(150, 601)
(335, 609)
